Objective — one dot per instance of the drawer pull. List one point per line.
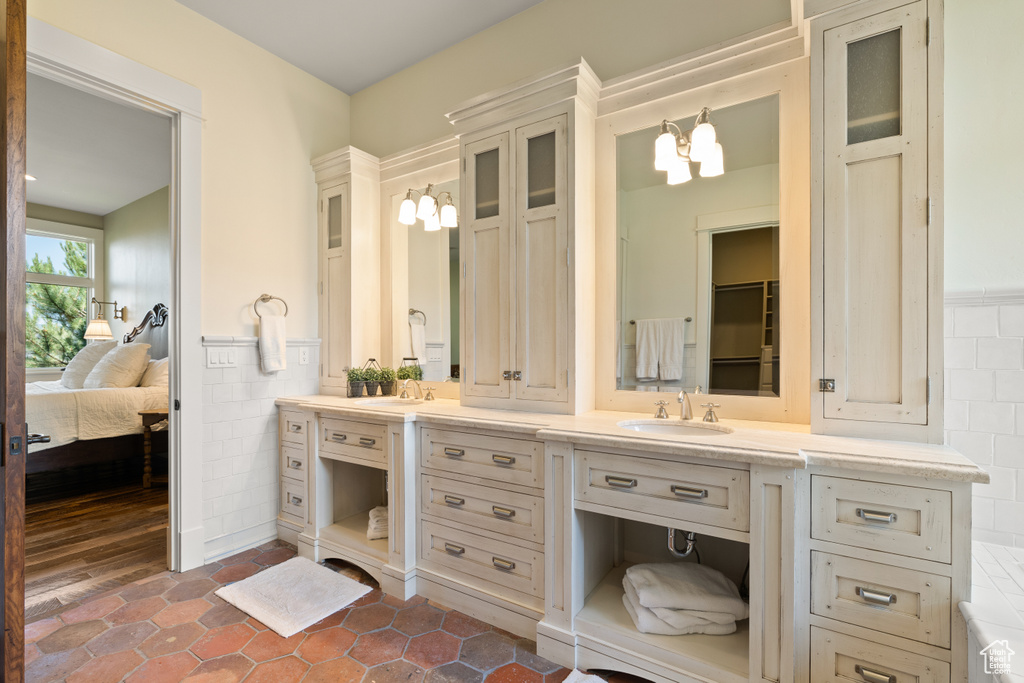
(295, 464)
(367, 442)
(876, 597)
(294, 500)
(506, 565)
(620, 482)
(455, 452)
(454, 500)
(454, 549)
(689, 492)
(872, 676)
(875, 516)
(503, 512)
(337, 437)
(292, 427)
(503, 459)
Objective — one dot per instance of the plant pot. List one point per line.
(355, 389)
(388, 388)
(371, 388)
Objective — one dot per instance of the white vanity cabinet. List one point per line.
(876, 131)
(527, 243)
(294, 448)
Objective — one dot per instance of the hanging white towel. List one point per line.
(671, 342)
(272, 343)
(686, 586)
(418, 332)
(646, 349)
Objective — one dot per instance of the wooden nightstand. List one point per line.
(149, 418)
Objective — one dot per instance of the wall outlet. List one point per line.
(220, 357)
(303, 356)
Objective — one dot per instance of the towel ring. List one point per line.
(266, 298)
(413, 311)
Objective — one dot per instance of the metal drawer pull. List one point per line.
(503, 512)
(295, 427)
(337, 437)
(620, 482)
(454, 549)
(875, 516)
(367, 441)
(294, 500)
(876, 597)
(874, 676)
(507, 565)
(503, 459)
(455, 452)
(688, 492)
(454, 500)
(295, 464)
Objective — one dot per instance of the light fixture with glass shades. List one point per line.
(98, 327)
(429, 210)
(673, 152)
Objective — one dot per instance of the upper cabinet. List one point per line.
(527, 244)
(876, 220)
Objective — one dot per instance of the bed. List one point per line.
(91, 426)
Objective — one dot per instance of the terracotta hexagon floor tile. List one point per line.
(170, 640)
(487, 651)
(327, 644)
(285, 670)
(462, 625)
(515, 673)
(70, 637)
(138, 591)
(335, 671)
(395, 672)
(526, 654)
(369, 618)
(268, 645)
(127, 637)
(228, 669)
(557, 676)
(456, 672)
(169, 669)
(222, 641)
(433, 649)
(256, 625)
(419, 619)
(198, 573)
(378, 647)
(275, 556)
(236, 572)
(223, 615)
(136, 610)
(107, 669)
(328, 622)
(56, 666)
(190, 590)
(181, 612)
(32, 653)
(397, 603)
(94, 609)
(373, 597)
(40, 629)
(244, 556)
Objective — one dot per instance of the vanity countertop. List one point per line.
(776, 444)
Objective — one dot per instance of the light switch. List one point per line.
(221, 358)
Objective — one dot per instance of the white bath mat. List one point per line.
(293, 595)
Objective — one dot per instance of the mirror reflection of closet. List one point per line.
(686, 252)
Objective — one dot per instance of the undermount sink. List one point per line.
(675, 427)
(389, 401)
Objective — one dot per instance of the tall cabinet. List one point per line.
(527, 243)
(876, 93)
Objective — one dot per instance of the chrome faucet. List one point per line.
(685, 411)
(662, 414)
(710, 415)
(405, 388)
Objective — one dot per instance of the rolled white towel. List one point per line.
(686, 586)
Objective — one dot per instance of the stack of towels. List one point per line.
(677, 598)
(378, 527)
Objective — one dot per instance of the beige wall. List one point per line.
(137, 246)
(66, 216)
(263, 120)
(614, 37)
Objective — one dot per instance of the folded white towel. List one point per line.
(379, 512)
(686, 586)
(418, 332)
(272, 343)
(674, 622)
(377, 528)
(646, 622)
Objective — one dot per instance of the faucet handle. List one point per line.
(710, 415)
(662, 414)
(429, 396)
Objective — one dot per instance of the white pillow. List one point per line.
(121, 367)
(156, 374)
(84, 361)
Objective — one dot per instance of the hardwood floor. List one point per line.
(80, 546)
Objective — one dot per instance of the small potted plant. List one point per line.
(410, 372)
(388, 383)
(356, 382)
(371, 376)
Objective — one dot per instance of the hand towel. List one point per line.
(671, 343)
(675, 622)
(646, 349)
(378, 525)
(418, 332)
(688, 586)
(272, 343)
(646, 622)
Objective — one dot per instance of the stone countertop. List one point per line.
(774, 444)
(996, 610)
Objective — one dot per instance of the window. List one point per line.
(63, 273)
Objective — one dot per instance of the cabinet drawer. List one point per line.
(903, 520)
(293, 463)
(840, 658)
(293, 500)
(904, 603)
(502, 512)
(479, 559)
(516, 461)
(293, 427)
(718, 496)
(358, 440)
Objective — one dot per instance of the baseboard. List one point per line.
(505, 615)
(224, 546)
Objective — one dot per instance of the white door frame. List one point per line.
(73, 61)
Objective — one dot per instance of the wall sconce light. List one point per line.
(429, 210)
(673, 152)
(98, 327)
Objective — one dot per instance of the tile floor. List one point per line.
(171, 627)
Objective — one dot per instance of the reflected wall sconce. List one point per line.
(429, 210)
(673, 152)
(98, 327)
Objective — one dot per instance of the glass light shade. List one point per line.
(702, 142)
(407, 212)
(98, 329)
(714, 164)
(449, 217)
(664, 151)
(679, 172)
(428, 207)
(431, 223)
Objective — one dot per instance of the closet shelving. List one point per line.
(744, 354)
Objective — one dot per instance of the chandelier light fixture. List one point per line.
(429, 210)
(675, 151)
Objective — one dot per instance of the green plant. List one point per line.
(371, 375)
(356, 375)
(410, 372)
(387, 375)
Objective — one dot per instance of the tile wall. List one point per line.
(984, 415)
(240, 456)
